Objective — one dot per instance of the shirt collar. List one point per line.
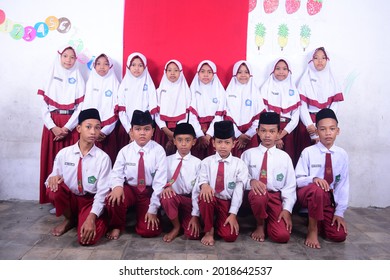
(263, 149)
(144, 149)
(178, 156)
(228, 159)
(324, 149)
(91, 152)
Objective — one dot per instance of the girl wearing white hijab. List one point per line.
(136, 92)
(173, 102)
(243, 107)
(280, 95)
(318, 89)
(102, 94)
(63, 94)
(207, 106)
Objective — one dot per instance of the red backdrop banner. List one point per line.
(189, 31)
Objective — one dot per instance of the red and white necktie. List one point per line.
(141, 172)
(220, 181)
(175, 174)
(263, 170)
(328, 176)
(80, 176)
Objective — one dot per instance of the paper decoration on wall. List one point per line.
(270, 6)
(292, 6)
(260, 35)
(282, 35)
(313, 7)
(252, 5)
(293, 32)
(40, 29)
(305, 36)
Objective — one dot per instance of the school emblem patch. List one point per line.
(153, 173)
(215, 100)
(108, 93)
(193, 183)
(263, 173)
(338, 178)
(72, 80)
(291, 92)
(145, 87)
(248, 102)
(91, 179)
(279, 177)
(231, 185)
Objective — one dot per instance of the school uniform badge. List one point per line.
(215, 100)
(338, 178)
(72, 80)
(231, 185)
(91, 179)
(145, 87)
(108, 93)
(279, 177)
(291, 92)
(248, 102)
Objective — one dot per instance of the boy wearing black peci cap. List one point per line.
(272, 184)
(137, 179)
(323, 183)
(220, 187)
(78, 183)
(183, 170)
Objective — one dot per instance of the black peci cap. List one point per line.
(269, 118)
(141, 118)
(223, 130)
(324, 114)
(87, 114)
(184, 128)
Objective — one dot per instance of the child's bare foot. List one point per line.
(62, 228)
(312, 235)
(258, 234)
(171, 235)
(113, 234)
(208, 238)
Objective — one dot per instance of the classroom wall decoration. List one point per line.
(39, 29)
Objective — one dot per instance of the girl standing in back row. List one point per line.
(63, 94)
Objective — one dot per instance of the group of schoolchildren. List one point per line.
(198, 154)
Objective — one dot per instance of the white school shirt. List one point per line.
(136, 93)
(102, 94)
(235, 178)
(280, 172)
(125, 169)
(311, 164)
(64, 90)
(96, 167)
(188, 175)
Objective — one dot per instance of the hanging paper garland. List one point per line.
(38, 30)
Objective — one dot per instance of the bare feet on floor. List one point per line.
(171, 235)
(312, 235)
(113, 234)
(62, 228)
(208, 238)
(258, 234)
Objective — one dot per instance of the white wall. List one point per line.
(353, 31)
(23, 65)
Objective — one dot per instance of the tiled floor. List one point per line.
(25, 234)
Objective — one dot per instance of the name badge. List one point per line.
(69, 163)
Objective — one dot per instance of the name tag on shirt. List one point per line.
(69, 163)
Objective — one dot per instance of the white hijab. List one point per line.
(207, 100)
(173, 98)
(64, 88)
(102, 93)
(244, 102)
(319, 88)
(280, 96)
(137, 93)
